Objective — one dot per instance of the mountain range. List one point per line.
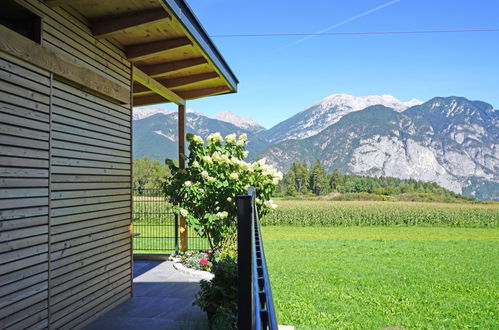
(448, 140)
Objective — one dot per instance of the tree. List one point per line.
(318, 179)
(335, 180)
(300, 174)
(288, 184)
(148, 174)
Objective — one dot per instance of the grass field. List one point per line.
(372, 265)
(355, 213)
(376, 277)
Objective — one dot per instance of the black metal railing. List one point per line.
(255, 305)
(156, 226)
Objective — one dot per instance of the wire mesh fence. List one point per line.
(157, 226)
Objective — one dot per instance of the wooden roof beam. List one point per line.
(142, 78)
(187, 80)
(150, 49)
(56, 3)
(141, 100)
(196, 93)
(178, 82)
(148, 99)
(104, 27)
(157, 70)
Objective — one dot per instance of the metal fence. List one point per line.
(156, 226)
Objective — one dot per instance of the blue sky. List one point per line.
(278, 80)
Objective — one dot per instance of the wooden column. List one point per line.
(181, 165)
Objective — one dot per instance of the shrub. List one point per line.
(218, 297)
(205, 192)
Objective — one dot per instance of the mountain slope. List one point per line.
(155, 136)
(451, 141)
(240, 121)
(327, 112)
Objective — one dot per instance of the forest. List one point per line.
(303, 181)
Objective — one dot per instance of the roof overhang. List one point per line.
(173, 58)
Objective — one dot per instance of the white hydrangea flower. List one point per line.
(204, 174)
(244, 166)
(208, 159)
(197, 139)
(195, 164)
(224, 159)
(187, 183)
(239, 143)
(216, 156)
(234, 176)
(222, 215)
(210, 179)
(245, 153)
(184, 212)
(201, 190)
(229, 199)
(231, 138)
(243, 137)
(214, 137)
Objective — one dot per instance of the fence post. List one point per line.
(176, 235)
(244, 263)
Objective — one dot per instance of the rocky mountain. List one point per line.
(141, 113)
(448, 140)
(328, 111)
(240, 121)
(155, 132)
(451, 141)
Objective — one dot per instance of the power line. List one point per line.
(350, 33)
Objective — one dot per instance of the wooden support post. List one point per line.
(181, 165)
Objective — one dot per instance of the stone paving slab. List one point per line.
(162, 299)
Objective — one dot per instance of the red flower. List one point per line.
(203, 261)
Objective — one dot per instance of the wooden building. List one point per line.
(70, 73)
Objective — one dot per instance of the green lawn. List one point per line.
(376, 277)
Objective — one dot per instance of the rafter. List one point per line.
(107, 26)
(156, 87)
(55, 3)
(139, 89)
(150, 49)
(196, 93)
(148, 100)
(180, 81)
(157, 70)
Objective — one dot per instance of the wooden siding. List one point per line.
(24, 194)
(90, 205)
(65, 184)
(68, 33)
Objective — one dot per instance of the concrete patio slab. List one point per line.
(162, 299)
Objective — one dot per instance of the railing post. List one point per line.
(244, 263)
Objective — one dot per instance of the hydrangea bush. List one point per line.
(204, 193)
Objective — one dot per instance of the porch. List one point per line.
(162, 299)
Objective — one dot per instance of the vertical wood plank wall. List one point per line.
(65, 180)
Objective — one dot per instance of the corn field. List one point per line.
(329, 213)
